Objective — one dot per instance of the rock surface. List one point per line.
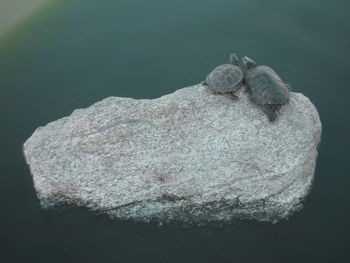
(190, 156)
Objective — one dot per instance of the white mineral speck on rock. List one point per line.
(190, 155)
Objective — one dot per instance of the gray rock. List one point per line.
(191, 156)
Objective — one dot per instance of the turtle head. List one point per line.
(234, 60)
(248, 62)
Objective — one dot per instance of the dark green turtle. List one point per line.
(226, 78)
(266, 87)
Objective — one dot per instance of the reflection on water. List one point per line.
(13, 12)
(77, 52)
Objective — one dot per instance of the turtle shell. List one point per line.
(266, 86)
(225, 78)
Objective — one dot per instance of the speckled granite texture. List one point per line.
(191, 156)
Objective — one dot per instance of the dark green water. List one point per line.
(74, 53)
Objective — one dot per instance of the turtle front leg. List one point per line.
(204, 83)
(270, 112)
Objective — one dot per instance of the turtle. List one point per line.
(226, 78)
(266, 88)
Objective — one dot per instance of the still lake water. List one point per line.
(74, 53)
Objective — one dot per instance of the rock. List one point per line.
(191, 156)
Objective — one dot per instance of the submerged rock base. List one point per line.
(191, 155)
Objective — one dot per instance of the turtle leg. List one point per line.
(270, 112)
(204, 83)
(233, 96)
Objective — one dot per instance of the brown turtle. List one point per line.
(266, 87)
(226, 78)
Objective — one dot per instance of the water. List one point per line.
(74, 53)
